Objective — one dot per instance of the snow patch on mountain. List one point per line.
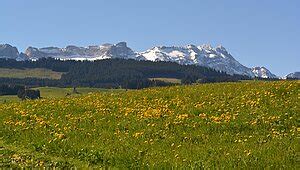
(205, 55)
(262, 72)
(295, 75)
(90, 53)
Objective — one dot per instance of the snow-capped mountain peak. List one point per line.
(294, 75)
(204, 55)
(72, 52)
(262, 72)
(221, 48)
(207, 47)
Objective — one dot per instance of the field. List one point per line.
(168, 80)
(251, 125)
(9, 98)
(33, 73)
(56, 93)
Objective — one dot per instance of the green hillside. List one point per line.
(252, 125)
(32, 73)
(167, 80)
(57, 93)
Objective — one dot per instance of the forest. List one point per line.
(114, 73)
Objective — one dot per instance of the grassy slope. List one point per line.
(54, 92)
(168, 80)
(226, 125)
(34, 73)
(8, 98)
(57, 93)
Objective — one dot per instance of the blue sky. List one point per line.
(255, 32)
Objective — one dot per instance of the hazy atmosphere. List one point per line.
(257, 33)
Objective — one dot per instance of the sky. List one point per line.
(256, 32)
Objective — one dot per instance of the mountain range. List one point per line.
(217, 58)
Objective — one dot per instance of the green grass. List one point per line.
(57, 93)
(8, 98)
(32, 73)
(168, 80)
(249, 125)
(13, 156)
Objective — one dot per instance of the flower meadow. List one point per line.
(253, 124)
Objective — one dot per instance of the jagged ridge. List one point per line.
(295, 75)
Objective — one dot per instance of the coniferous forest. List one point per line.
(114, 73)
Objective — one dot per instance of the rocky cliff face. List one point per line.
(92, 53)
(8, 51)
(295, 75)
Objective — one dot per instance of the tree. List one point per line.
(29, 94)
(189, 79)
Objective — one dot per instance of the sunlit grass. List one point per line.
(57, 93)
(168, 80)
(32, 73)
(9, 98)
(225, 125)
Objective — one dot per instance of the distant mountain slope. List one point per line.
(217, 58)
(91, 53)
(8, 51)
(262, 72)
(295, 75)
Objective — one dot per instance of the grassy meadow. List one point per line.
(56, 93)
(224, 125)
(168, 80)
(9, 98)
(32, 73)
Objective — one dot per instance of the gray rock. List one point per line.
(119, 50)
(295, 75)
(8, 51)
